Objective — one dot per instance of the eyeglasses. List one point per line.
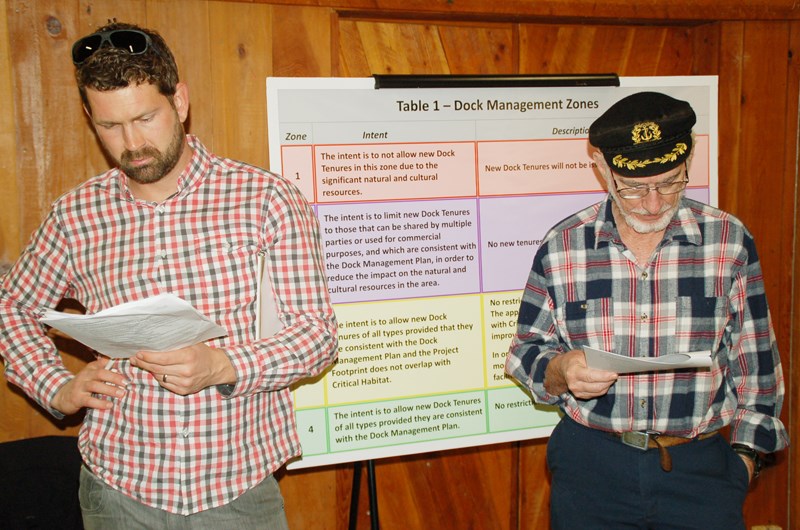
(133, 41)
(663, 188)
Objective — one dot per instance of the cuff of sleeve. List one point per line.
(766, 434)
(538, 377)
(61, 379)
(225, 390)
(246, 370)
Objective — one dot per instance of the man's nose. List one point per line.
(132, 138)
(653, 201)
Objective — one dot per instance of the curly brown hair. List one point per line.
(111, 68)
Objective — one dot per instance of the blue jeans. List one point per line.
(104, 508)
(600, 483)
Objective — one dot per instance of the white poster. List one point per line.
(432, 204)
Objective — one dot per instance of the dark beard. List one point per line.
(162, 163)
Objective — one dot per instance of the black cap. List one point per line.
(644, 134)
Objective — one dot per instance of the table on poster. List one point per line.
(430, 220)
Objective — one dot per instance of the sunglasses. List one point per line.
(133, 41)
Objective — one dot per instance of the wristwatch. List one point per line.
(750, 453)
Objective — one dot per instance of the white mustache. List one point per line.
(641, 211)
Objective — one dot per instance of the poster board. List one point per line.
(432, 203)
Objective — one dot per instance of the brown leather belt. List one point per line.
(652, 440)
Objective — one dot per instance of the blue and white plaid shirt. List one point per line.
(702, 291)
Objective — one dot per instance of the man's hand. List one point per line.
(187, 370)
(83, 389)
(568, 371)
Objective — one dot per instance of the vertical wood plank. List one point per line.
(534, 490)
(352, 56)
(185, 25)
(463, 488)
(706, 57)
(793, 316)
(369, 47)
(10, 244)
(12, 408)
(493, 44)
(762, 183)
(392, 48)
(240, 62)
(584, 49)
(43, 111)
(42, 114)
(301, 41)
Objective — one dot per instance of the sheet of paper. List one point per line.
(622, 364)
(159, 323)
(266, 308)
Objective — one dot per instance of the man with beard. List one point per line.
(645, 273)
(190, 437)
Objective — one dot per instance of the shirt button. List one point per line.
(643, 317)
(160, 209)
(642, 403)
(163, 254)
(185, 433)
(644, 275)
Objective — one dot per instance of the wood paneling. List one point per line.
(226, 49)
(9, 216)
(615, 11)
(757, 167)
(790, 315)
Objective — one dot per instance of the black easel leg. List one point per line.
(373, 495)
(354, 496)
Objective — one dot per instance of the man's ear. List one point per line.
(600, 160)
(603, 171)
(181, 101)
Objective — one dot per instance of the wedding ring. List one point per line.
(164, 379)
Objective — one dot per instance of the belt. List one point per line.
(645, 440)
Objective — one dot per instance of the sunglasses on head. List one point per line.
(133, 41)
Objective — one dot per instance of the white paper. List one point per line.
(266, 307)
(160, 323)
(621, 364)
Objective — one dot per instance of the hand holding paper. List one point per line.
(621, 364)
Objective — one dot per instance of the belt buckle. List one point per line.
(636, 439)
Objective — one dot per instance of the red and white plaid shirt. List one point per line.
(102, 247)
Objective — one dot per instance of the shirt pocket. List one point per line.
(587, 323)
(701, 323)
(226, 267)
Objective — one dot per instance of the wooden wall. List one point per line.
(226, 49)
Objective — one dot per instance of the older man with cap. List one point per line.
(645, 273)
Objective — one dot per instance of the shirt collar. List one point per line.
(190, 178)
(683, 227)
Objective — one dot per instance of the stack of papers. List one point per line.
(622, 364)
(160, 323)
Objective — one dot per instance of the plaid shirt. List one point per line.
(702, 291)
(102, 247)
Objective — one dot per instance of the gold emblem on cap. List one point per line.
(647, 131)
(632, 165)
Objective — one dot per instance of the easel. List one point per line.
(373, 495)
